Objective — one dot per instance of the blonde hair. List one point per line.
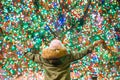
(55, 50)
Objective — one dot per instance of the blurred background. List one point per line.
(31, 24)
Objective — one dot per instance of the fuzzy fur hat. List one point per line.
(55, 50)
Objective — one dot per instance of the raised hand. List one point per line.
(104, 45)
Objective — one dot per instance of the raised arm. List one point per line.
(74, 55)
(34, 55)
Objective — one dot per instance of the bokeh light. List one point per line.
(31, 24)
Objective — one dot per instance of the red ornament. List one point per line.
(100, 11)
(117, 63)
(69, 2)
(18, 0)
(101, 75)
(80, 3)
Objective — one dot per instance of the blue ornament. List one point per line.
(47, 27)
(61, 19)
(18, 53)
(6, 17)
(95, 59)
(55, 4)
(103, 1)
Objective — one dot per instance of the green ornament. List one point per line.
(13, 72)
(79, 28)
(13, 48)
(104, 22)
(20, 56)
(29, 36)
(11, 62)
(104, 37)
(42, 33)
(36, 47)
(0, 18)
(34, 17)
(97, 49)
(36, 69)
(79, 48)
(25, 25)
(4, 67)
(112, 43)
(105, 57)
(44, 12)
(96, 37)
(36, 34)
(6, 38)
(42, 23)
(29, 65)
(114, 58)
